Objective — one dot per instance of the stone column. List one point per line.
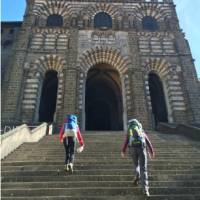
(70, 97)
(138, 101)
(139, 105)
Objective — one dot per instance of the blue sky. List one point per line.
(189, 16)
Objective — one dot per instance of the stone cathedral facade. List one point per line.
(106, 61)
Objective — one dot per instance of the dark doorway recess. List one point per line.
(158, 103)
(103, 103)
(48, 97)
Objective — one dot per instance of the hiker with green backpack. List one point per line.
(139, 144)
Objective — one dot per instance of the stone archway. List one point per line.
(158, 102)
(48, 97)
(105, 59)
(44, 72)
(103, 101)
(166, 74)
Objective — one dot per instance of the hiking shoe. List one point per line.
(146, 193)
(70, 167)
(66, 168)
(136, 182)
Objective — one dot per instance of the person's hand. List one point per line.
(151, 156)
(122, 155)
(80, 149)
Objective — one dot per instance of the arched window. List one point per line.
(102, 20)
(149, 23)
(55, 20)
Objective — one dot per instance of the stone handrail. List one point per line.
(189, 131)
(14, 138)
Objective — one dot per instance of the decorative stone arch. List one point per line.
(47, 8)
(157, 11)
(34, 81)
(107, 55)
(171, 84)
(111, 10)
(112, 57)
(102, 7)
(49, 62)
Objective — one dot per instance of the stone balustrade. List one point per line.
(14, 138)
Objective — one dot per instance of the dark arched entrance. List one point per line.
(48, 97)
(158, 103)
(103, 102)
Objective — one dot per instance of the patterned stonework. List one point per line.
(77, 47)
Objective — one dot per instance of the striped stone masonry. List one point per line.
(50, 39)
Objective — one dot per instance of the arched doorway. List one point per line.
(103, 101)
(48, 97)
(158, 103)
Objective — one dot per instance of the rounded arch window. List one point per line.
(102, 20)
(149, 23)
(55, 20)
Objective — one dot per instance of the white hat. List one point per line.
(133, 120)
(136, 122)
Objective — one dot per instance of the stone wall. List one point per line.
(73, 49)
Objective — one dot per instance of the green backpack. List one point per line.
(135, 136)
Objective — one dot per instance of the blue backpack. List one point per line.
(70, 127)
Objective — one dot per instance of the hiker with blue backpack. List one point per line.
(139, 144)
(69, 134)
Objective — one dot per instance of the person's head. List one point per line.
(134, 122)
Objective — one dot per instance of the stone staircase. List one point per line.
(31, 172)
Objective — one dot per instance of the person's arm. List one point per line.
(79, 137)
(123, 150)
(149, 145)
(61, 133)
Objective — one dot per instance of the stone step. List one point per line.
(190, 158)
(100, 154)
(127, 197)
(109, 161)
(107, 142)
(74, 184)
(78, 177)
(99, 172)
(97, 191)
(97, 162)
(31, 172)
(100, 166)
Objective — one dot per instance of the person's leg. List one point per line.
(66, 146)
(71, 149)
(143, 170)
(71, 152)
(136, 167)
